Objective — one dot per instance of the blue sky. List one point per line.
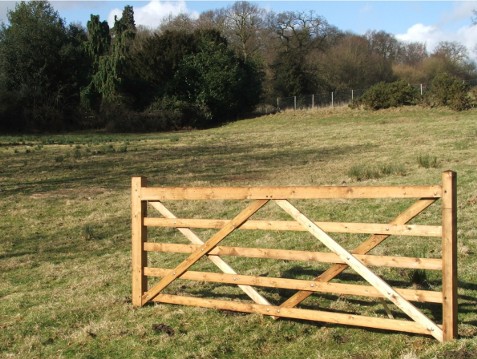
(424, 21)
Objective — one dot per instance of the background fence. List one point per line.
(336, 98)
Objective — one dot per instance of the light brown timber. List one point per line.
(449, 254)
(357, 259)
(205, 249)
(371, 243)
(302, 192)
(138, 236)
(333, 227)
(363, 271)
(295, 255)
(298, 284)
(303, 314)
(219, 262)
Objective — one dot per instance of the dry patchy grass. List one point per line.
(65, 247)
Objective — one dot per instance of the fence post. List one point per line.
(139, 235)
(332, 100)
(294, 103)
(449, 255)
(278, 103)
(312, 101)
(352, 96)
(421, 90)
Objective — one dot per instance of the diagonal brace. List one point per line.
(205, 249)
(385, 289)
(365, 247)
(218, 261)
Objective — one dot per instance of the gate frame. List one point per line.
(141, 195)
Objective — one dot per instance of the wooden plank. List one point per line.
(219, 262)
(363, 271)
(333, 227)
(205, 249)
(138, 237)
(297, 284)
(296, 255)
(303, 192)
(449, 255)
(294, 313)
(363, 248)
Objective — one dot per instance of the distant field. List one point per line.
(65, 231)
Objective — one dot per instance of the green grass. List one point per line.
(65, 233)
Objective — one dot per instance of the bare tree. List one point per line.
(302, 30)
(212, 19)
(453, 51)
(383, 44)
(350, 65)
(411, 53)
(245, 22)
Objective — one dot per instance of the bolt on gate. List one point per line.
(359, 259)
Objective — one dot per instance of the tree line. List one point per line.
(191, 73)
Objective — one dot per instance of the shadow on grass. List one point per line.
(215, 163)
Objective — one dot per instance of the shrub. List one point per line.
(448, 91)
(165, 114)
(385, 95)
(366, 172)
(427, 161)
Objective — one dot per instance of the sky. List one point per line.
(425, 21)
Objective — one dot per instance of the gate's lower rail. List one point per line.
(359, 259)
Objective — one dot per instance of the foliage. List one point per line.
(386, 95)
(350, 64)
(449, 91)
(41, 68)
(110, 58)
(156, 59)
(55, 76)
(216, 80)
(165, 114)
(184, 73)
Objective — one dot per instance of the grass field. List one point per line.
(65, 231)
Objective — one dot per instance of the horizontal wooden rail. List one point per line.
(294, 255)
(295, 313)
(297, 284)
(323, 192)
(333, 227)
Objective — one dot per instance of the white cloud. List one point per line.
(154, 12)
(467, 36)
(432, 35)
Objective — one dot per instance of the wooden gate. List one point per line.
(358, 259)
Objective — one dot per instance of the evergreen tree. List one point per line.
(36, 52)
(109, 50)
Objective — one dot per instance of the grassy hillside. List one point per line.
(65, 231)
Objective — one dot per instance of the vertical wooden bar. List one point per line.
(139, 236)
(449, 255)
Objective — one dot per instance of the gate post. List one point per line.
(139, 235)
(449, 255)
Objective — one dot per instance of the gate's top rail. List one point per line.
(300, 192)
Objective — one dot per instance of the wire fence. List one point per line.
(336, 98)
